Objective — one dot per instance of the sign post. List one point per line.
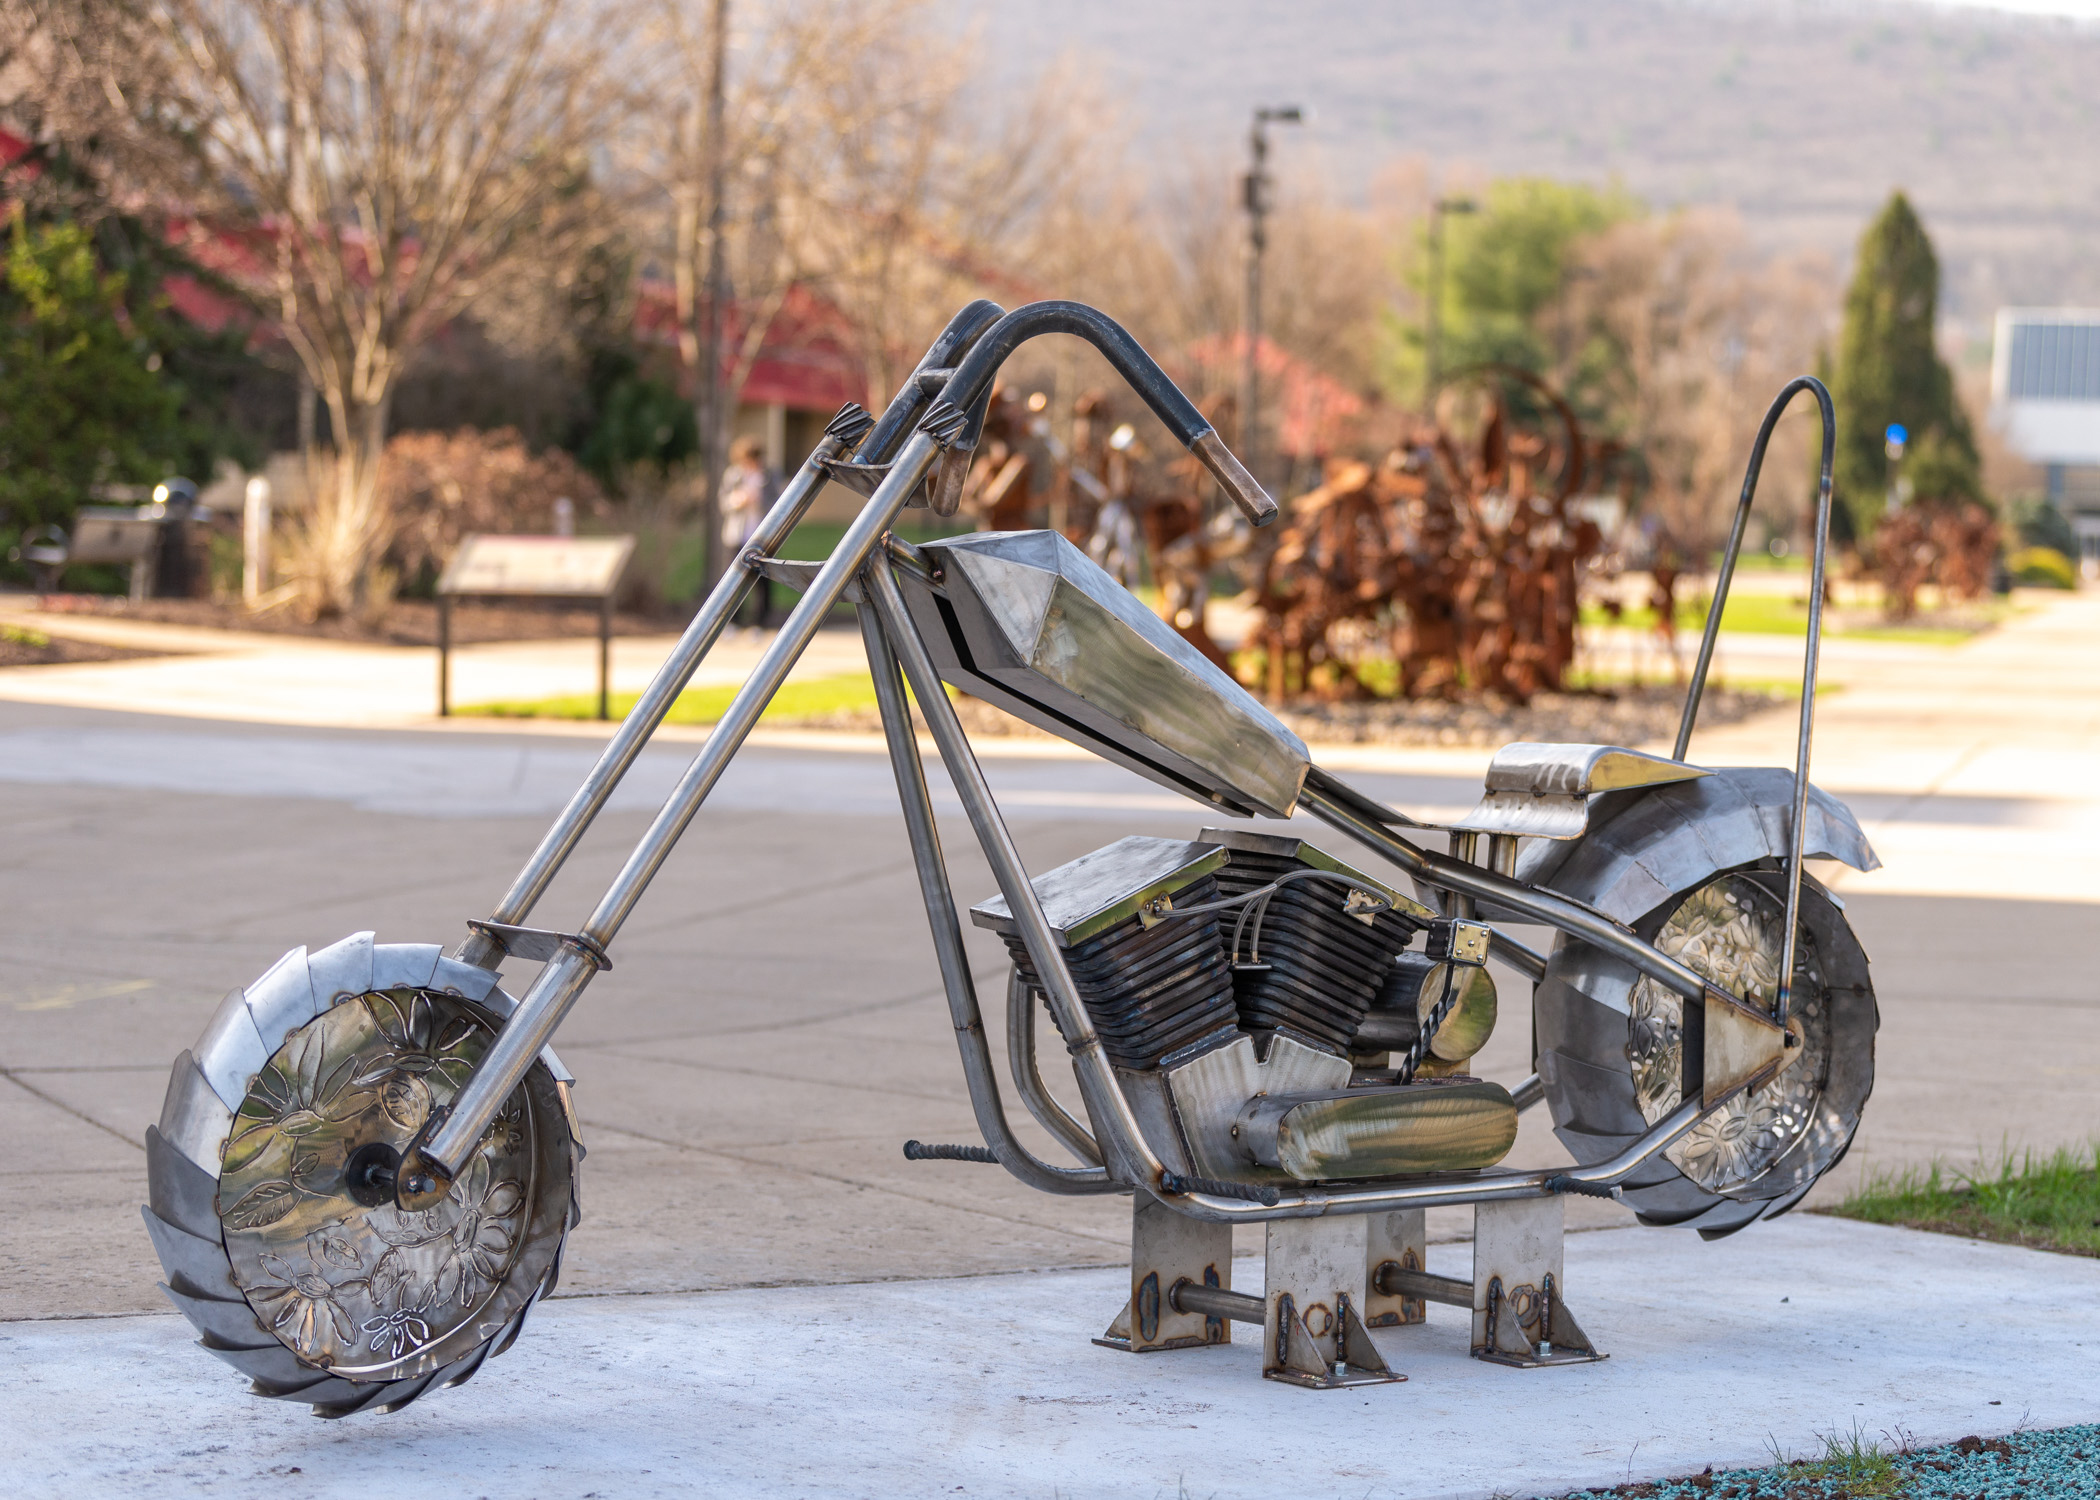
(540, 567)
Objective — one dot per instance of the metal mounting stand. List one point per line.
(1317, 1280)
(1519, 1315)
(1329, 1281)
(1166, 1249)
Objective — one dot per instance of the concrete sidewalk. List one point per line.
(1991, 748)
(253, 677)
(1720, 1353)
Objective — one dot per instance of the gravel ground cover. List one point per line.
(2059, 1465)
(1628, 715)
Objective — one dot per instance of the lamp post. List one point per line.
(1894, 441)
(1254, 198)
(1433, 297)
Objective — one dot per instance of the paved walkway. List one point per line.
(989, 1386)
(260, 678)
(1991, 747)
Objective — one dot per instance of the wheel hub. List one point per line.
(331, 1263)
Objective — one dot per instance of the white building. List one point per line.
(2045, 399)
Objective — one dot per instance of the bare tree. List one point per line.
(1697, 333)
(385, 161)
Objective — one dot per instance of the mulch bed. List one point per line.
(27, 648)
(407, 622)
(1624, 716)
(1631, 716)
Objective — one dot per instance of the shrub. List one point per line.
(438, 486)
(2041, 524)
(2042, 567)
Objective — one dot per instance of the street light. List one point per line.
(1433, 296)
(1254, 198)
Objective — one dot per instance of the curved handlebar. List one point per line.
(973, 380)
(903, 414)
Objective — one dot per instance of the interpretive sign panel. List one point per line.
(577, 567)
(548, 567)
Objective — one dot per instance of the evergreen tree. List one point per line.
(84, 397)
(1889, 371)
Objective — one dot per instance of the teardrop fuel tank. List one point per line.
(1028, 622)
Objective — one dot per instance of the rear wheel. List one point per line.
(1614, 1044)
(270, 1206)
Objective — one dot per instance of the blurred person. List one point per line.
(748, 490)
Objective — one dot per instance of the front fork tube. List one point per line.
(671, 678)
(428, 1168)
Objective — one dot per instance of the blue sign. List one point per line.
(1898, 434)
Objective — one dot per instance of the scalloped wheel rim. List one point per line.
(185, 1161)
(1597, 1113)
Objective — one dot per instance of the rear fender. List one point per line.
(1646, 844)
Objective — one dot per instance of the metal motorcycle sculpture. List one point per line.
(365, 1170)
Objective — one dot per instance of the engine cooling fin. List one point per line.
(1312, 969)
(1152, 982)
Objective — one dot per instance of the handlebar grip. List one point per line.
(1255, 503)
(973, 378)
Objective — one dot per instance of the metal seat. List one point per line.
(1543, 790)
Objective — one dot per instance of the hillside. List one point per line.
(1804, 116)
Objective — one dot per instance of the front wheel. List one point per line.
(277, 1246)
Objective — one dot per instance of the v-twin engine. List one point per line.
(1269, 1011)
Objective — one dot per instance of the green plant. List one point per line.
(2042, 567)
(83, 396)
(819, 698)
(2046, 1202)
(1505, 266)
(22, 635)
(2039, 523)
(1889, 371)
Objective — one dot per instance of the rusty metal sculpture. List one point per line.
(1462, 559)
(1951, 545)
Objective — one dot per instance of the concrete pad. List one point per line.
(989, 1386)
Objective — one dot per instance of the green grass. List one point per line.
(1751, 613)
(2043, 1202)
(817, 699)
(1854, 1462)
(813, 541)
(22, 635)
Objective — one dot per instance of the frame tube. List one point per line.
(1123, 1138)
(1474, 882)
(1028, 1077)
(947, 935)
